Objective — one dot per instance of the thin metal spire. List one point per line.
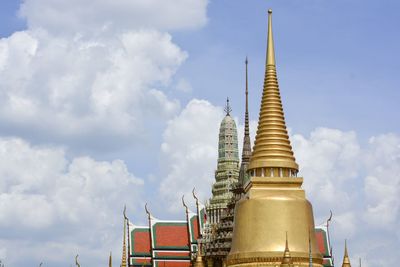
(246, 150)
(309, 248)
(123, 260)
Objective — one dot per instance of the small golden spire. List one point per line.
(123, 260)
(272, 154)
(346, 259)
(287, 258)
(110, 260)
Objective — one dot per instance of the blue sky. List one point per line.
(336, 59)
(120, 102)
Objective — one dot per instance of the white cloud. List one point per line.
(61, 89)
(49, 201)
(83, 75)
(382, 184)
(78, 68)
(361, 184)
(329, 159)
(189, 152)
(184, 86)
(108, 15)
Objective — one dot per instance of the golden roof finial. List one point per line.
(346, 259)
(184, 204)
(272, 154)
(110, 260)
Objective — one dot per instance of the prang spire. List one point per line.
(272, 153)
(246, 151)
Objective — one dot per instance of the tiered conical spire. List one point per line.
(272, 154)
(246, 151)
(346, 260)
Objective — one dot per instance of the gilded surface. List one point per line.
(272, 147)
(274, 203)
(346, 260)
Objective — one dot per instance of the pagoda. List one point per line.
(274, 202)
(217, 234)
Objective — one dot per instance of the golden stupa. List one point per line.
(274, 202)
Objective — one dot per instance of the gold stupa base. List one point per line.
(272, 207)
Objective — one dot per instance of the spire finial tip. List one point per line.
(228, 108)
(269, 11)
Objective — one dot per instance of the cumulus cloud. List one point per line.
(48, 201)
(84, 78)
(361, 184)
(77, 68)
(329, 160)
(382, 183)
(60, 89)
(189, 152)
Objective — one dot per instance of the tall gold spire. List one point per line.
(123, 260)
(346, 260)
(272, 154)
(110, 260)
(274, 202)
